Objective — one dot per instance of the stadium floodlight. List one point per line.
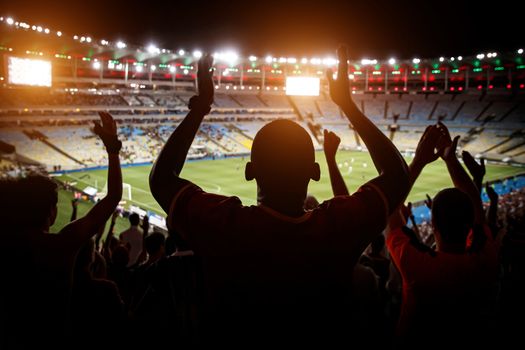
(304, 60)
(494, 54)
(181, 52)
(520, 51)
(46, 30)
(138, 69)
(104, 42)
(197, 54)
(75, 37)
(291, 60)
(252, 58)
(315, 60)
(33, 27)
(392, 61)
(82, 39)
(452, 59)
(96, 65)
(282, 59)
(88, 39)
(489, 55)
(230, 57)
(59, 33)
(460, 58)
(121, 45)
(302, 86)
(366, 61)
(152, 67)
(172, 69)
(39, 29)
(329, 61)
(185, 71)
(10, 21)
(416, 60)
(480, 56)
(268, 59)
(153, 49)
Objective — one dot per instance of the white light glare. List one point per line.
(252, 58)
(366, 61)
(10, 21)
(392, 61)
(96, 65)
(416, 60)
(153, 49)
(441, 59)
(269, 59)
(181, 52)
(59, 33)
(197, 54)
(121, 45)
(520, 51)
(172, 69)
(480, 56)
(152, 68)
(138, 69)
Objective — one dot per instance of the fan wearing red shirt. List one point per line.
(274, 271)
(445, 292)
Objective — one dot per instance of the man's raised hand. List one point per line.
(330, 144)
(340, 87)
(107, 131)
(476, 170)
(204, 99)
(426, 151)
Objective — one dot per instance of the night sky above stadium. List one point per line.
(377, 29)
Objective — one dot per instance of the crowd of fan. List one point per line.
(289, 271)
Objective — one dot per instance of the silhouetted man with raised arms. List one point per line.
(273, 271)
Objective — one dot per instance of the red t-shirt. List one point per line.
(257, 260)
(449, 291)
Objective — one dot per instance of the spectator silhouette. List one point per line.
(450, 289)
(132, 238)
(274, 271)
(37, 267)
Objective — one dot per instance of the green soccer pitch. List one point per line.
(226, 176)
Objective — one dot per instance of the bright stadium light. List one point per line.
(392, 61)
(10, 21)
(46, 30)
(172, 69)
(33, 27)
(181, 52)
(82, 39)
(230, 57)
(282, 59)
(138, 69)
(304, 60)
(302, 86)
(460, 58)
(153, 49)
(268, 59)
(185, 71)
(75, 37)
(291, 60)
(452, 59)
(480, 56)
(520, 51)
(494, 54)
(59, 33)
(96, 65)
(152, 67)
(121, 45)
(197, 54)
(39, 29)
(416, 60)
(25, 71)
(88, 39)
(489, 55)
(315, 60)
(252, 58)
(330, 61)
(366, 61)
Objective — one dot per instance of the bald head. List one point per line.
(283, 162)
(284, 143)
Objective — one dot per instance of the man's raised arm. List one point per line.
(330, 143)
(88, 225)
(393, 180)
(164, 180)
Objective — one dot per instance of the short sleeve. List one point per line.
(197, 215)
(359, 217)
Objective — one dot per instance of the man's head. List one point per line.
(452, 216)
(134, 219)
(283, 160)
(154, 243)
(30, 202)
